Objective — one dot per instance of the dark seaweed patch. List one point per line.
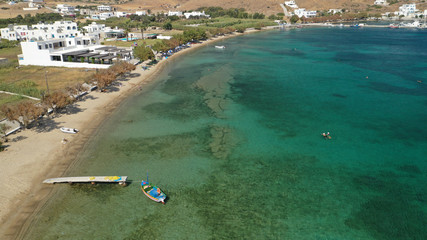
(393, 211)
(410, 169)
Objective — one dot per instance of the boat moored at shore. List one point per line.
(69, 130)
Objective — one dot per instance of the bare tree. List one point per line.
(24, 112)
(57, 100)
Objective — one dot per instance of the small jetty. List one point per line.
(121, 180)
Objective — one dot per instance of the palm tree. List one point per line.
(142, 27)
(126, 27)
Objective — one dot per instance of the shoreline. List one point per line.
(39, 154)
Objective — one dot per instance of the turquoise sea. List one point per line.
(233, 137)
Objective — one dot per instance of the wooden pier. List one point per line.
(91, 179)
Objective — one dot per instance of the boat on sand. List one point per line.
(69, 130)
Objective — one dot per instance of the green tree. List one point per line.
(167, 26)
(294, 19)
(143, 53)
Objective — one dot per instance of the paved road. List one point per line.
(285, 11)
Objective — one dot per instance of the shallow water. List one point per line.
(232, 136)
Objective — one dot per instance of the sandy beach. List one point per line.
(39, 153)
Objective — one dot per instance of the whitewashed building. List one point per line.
(94, 28)
(176, 13)
(380, 2)
(140, 13)
(195, 14)
(291, 4)
(408, 10)
(163, 37)
(14, 32)
(79, 52)
(335, 11)
(103, 8)
(65, 9)
(102, 16)
(41, 31)
(301, 12)
(121, 14)
(86, 11)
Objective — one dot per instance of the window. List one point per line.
(50, 45)
(40, 47)
(45, 46)
(79, 43)
(56, 58)
(68, 28)
(69, 42)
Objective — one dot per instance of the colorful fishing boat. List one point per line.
(153, 192)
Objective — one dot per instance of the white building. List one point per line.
(14, 32)
(41, 31)
(291, 4)
(121, 14)
(163, 37)
(79, 52)
(86, 11)
(103, 8)
(301, 12)
(177, 13)
(195, 14)
(94, 28)
(408, 10)
(64, 8)
(335, 11)
(140, 13)
(380, 2)
(113, 32)
(102, 16)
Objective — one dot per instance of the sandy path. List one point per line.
(37, 155)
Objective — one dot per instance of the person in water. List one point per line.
(326, 135)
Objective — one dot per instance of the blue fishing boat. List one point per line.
(153, 192)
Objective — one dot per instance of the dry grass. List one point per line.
(58, 78)
(15, 10)
(10, 53)
(130, 43)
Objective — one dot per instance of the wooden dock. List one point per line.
(91, 179)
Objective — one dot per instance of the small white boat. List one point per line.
(220, 47)
(69, 130)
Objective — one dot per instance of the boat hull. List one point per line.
(69, 130)
(153, 192)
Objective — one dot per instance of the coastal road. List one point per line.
(285, 11)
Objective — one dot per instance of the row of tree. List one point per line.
(190, 35)
(231, 12)
(29, 20)
(4, 43)
(27, 112)
(144, 52)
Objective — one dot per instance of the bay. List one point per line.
(233, 137)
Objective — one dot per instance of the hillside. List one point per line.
(264, 6)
